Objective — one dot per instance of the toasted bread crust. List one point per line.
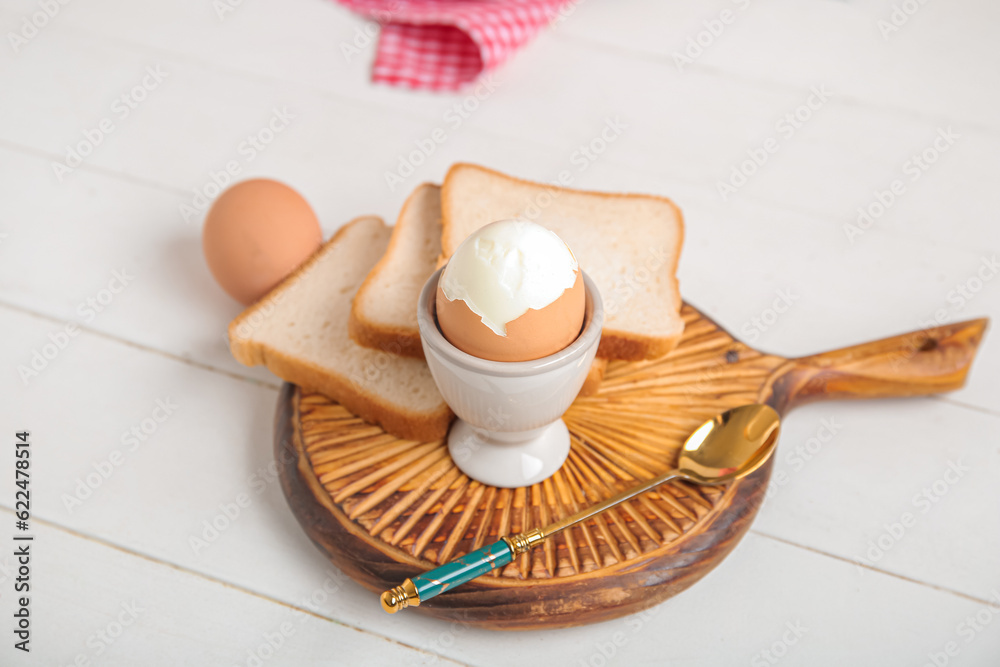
(395, 340)
(363, 329)
(628, 346)
(615, 344)
(394, 419)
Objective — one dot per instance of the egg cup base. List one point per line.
(509, 459)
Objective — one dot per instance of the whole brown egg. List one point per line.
(256, 233)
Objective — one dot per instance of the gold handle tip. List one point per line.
(400, 597)
(523, 542)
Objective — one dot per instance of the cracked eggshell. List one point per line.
(533, 335)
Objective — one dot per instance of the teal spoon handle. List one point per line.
(434, 582)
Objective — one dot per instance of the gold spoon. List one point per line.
(727, 447)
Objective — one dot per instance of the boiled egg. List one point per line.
(512, 291)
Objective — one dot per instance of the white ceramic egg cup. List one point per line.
(509, 431)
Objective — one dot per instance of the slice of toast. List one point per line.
(629, 245)
(299, 331)
(384, 314)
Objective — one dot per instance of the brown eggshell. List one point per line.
(533, 335)
(256, 233)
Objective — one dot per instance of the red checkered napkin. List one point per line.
(447, 44)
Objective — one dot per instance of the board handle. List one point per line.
(918, 363)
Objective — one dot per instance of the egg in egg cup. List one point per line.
(509, 431)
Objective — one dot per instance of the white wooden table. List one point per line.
(145, 431)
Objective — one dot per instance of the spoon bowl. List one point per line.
(731, 445)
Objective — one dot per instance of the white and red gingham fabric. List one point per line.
(447, 44)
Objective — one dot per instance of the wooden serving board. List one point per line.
(383, 509)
